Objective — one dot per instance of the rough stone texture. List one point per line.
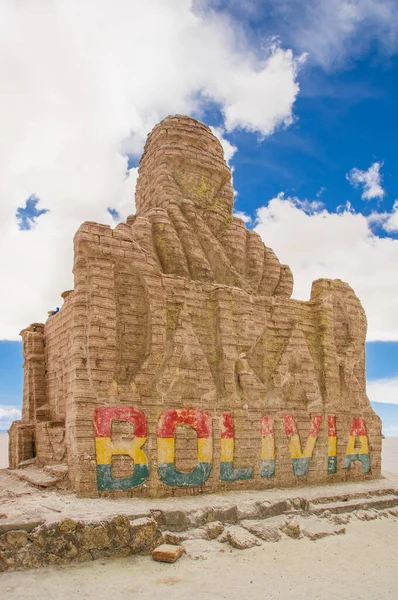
(167, 553)
(317, 531)
(238, 537)
(182, 307)
(262, 530)
(69, 540)
(67, 536)
(292, 528)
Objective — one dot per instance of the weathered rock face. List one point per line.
(179, 364)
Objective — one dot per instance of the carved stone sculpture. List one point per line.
(179, 364)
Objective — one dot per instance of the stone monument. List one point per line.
(179, 364)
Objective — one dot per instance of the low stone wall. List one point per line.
(70, 540)
(241, 522)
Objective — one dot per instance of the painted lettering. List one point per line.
(352, 453)
(227, 470)
(201, 422)
(332, 444)
(301, 459)
(105, 448)
(267, 447)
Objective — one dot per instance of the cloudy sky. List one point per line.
(303, 95)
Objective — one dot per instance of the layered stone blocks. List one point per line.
(179, 364)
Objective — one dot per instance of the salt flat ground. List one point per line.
(359, 564)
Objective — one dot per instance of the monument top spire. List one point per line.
(182, 159)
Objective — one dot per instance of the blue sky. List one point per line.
(304, 97)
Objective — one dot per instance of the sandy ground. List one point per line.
(3, 450)
(360, 564)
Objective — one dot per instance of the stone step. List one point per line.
(37, 477)
(367, 503)
(387, 491)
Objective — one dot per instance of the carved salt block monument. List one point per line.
(179, 364)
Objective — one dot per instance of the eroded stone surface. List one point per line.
(182, 308)
(67, 539)
(292, 528)
(238, 537)
(262, 530)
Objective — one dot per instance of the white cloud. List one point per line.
(242, 215)
(333, 32)
(383, 390)
(391, 219)
(82, 85)
(7, 415)
(369, 180)
(336, 245)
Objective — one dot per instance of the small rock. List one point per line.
(227, 514)
(56, 470)
(317, 531)
(273, 509)
(167, 553)
(262, 530)
(248, 509)
(292, 529)
(367, 515)
(300, 504)
(144, 535)
(240, 538)
(223, 537)
(174, 520)
(213, 530)
(14, 539)
(175, 537)
(340, 519)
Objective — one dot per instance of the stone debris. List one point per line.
(56, 470)
(238, 537)
(262, 530)
(318, 530)
(41, 477)
(213, 530)
(210, 531)
(172, 537)
(168, 553)
(30, 544)
(292, 528)
(367, 515)
(340, 519)
(354, 504)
